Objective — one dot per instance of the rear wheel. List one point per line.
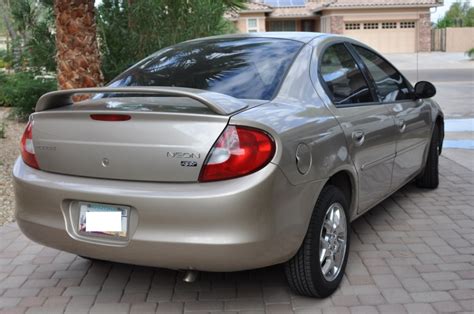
(318, 267)
(430, 177)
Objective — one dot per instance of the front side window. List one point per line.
(343, 78)
(246, 68)
(390, 84)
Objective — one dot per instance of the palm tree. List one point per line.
(78, 59)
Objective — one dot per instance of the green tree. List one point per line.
(30, 24)
(458, 15)
(42, 47)
(130, 30)
(3, 28)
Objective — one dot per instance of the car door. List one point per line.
(367, 124)
(412, 117)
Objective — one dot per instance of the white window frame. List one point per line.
(282, 23)
(325, 26)
(253, 29)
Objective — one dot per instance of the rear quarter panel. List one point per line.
(297, 116)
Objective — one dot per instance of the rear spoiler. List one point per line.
(218, 103)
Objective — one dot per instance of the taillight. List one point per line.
(238, 151)
(27, 148)
(110, 117)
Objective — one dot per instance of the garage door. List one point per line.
(387, 37)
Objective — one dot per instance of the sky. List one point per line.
(440, 11)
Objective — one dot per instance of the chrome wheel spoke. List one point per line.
(328, 227)
(331, 214)
(341, 243)
(336, 219)
(340, 230)
(322, 256)
(327, 267)
(324, 243)
(324, 249)
(339, 255)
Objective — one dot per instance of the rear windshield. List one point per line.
(246, 68)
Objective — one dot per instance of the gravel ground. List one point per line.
(9, 150)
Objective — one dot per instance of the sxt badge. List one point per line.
(186, 163)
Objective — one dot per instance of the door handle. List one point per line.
(401, 125)
(358, 137)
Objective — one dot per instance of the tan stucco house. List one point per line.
(390, 26)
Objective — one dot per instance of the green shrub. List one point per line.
(5, 59)
(21, 91)
(3, 87)
(3, 54)
(470, 53)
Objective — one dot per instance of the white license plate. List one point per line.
(103, 219)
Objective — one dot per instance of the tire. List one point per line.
(304, 271)
(429, 179)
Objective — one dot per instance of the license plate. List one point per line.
(103, 219)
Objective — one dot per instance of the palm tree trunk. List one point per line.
(78, 57)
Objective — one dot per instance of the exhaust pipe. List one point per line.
(190, 276)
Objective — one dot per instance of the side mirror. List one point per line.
(424, 89)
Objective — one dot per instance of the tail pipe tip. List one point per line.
(190, 276)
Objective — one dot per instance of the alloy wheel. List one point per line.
(333, 241)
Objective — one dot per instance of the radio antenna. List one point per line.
(418, 44)
(417, 66)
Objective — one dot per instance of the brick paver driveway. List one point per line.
(413, 253)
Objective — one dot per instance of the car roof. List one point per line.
(304, 37)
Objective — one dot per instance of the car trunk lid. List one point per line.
(164, 139)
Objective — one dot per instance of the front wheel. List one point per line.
(318, 267)
(430, 177)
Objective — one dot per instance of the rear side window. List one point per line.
(343, 78)
(246, 68)
(390, 84)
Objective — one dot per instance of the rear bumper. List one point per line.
(245, 223)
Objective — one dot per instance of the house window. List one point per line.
(388, 25)
(407, 24)
(252, 25)
(307, 26)
(282, 26)
(371, 25)
(350, 26)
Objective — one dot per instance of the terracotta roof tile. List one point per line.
(291, 12)
(231, 15)
(312, 6)
(254, 6)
